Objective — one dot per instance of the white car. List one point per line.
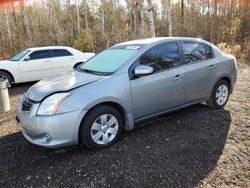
(37, 63)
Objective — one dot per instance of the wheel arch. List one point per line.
(227, 79)
(127, 118)
(8, 72)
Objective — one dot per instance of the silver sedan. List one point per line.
(123, 85)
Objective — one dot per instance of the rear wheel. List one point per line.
(220, 95)
(101, 127)
(6, 76)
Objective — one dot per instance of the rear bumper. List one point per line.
(50, 131)
(233, 81)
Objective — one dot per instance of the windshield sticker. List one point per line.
(132, 47)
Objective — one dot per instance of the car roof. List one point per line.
(159, 39)
(49, 48)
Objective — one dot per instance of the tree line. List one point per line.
(92, 25)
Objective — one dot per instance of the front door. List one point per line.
(37, 67)
(162, 90)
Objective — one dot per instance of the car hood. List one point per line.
(4, 62)
(60, 83)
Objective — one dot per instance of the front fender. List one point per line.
(114, 89)
(11, 68)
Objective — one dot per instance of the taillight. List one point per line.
(235, 63)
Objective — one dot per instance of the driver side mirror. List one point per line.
(143, 70)
(27, 58)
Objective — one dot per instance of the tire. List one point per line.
(220, 95)
(6, 76)
(95, 131)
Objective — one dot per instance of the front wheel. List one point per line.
(6, 76)
(220, 95)
(101, 127)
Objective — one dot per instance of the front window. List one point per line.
(19, 56)
(108, 61)
(41, 54)
(162, 57)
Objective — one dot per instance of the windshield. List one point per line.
(108, 61)
(19, 56)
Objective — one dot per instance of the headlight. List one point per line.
(51, 104)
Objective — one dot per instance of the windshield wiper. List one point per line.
(93, 72)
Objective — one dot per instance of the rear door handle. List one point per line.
(211, 67)
(177, 77)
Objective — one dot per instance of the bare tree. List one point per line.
(85, 6)
(213, 21)
(141, 18)
(132, 16)
(55, 24)
(26, 26)
(78, 16)
(183, 19)
(8, 27)
(103, 17)
(151, 19)
(16, 26)
(170, 24)
(103, 22)
(106, 22)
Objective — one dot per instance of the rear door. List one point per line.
(162, 90)
(37, 66)
(199, 68)
(62, 61)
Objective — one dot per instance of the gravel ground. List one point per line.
(195, 147)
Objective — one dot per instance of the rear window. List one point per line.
(61, 53)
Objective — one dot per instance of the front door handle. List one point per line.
(177, 77)
(211, 67)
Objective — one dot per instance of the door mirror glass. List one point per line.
(27, 58)
(142, 70)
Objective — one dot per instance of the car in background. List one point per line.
(37, 63)
(123, 85)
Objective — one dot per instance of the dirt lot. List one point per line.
(195, 147)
